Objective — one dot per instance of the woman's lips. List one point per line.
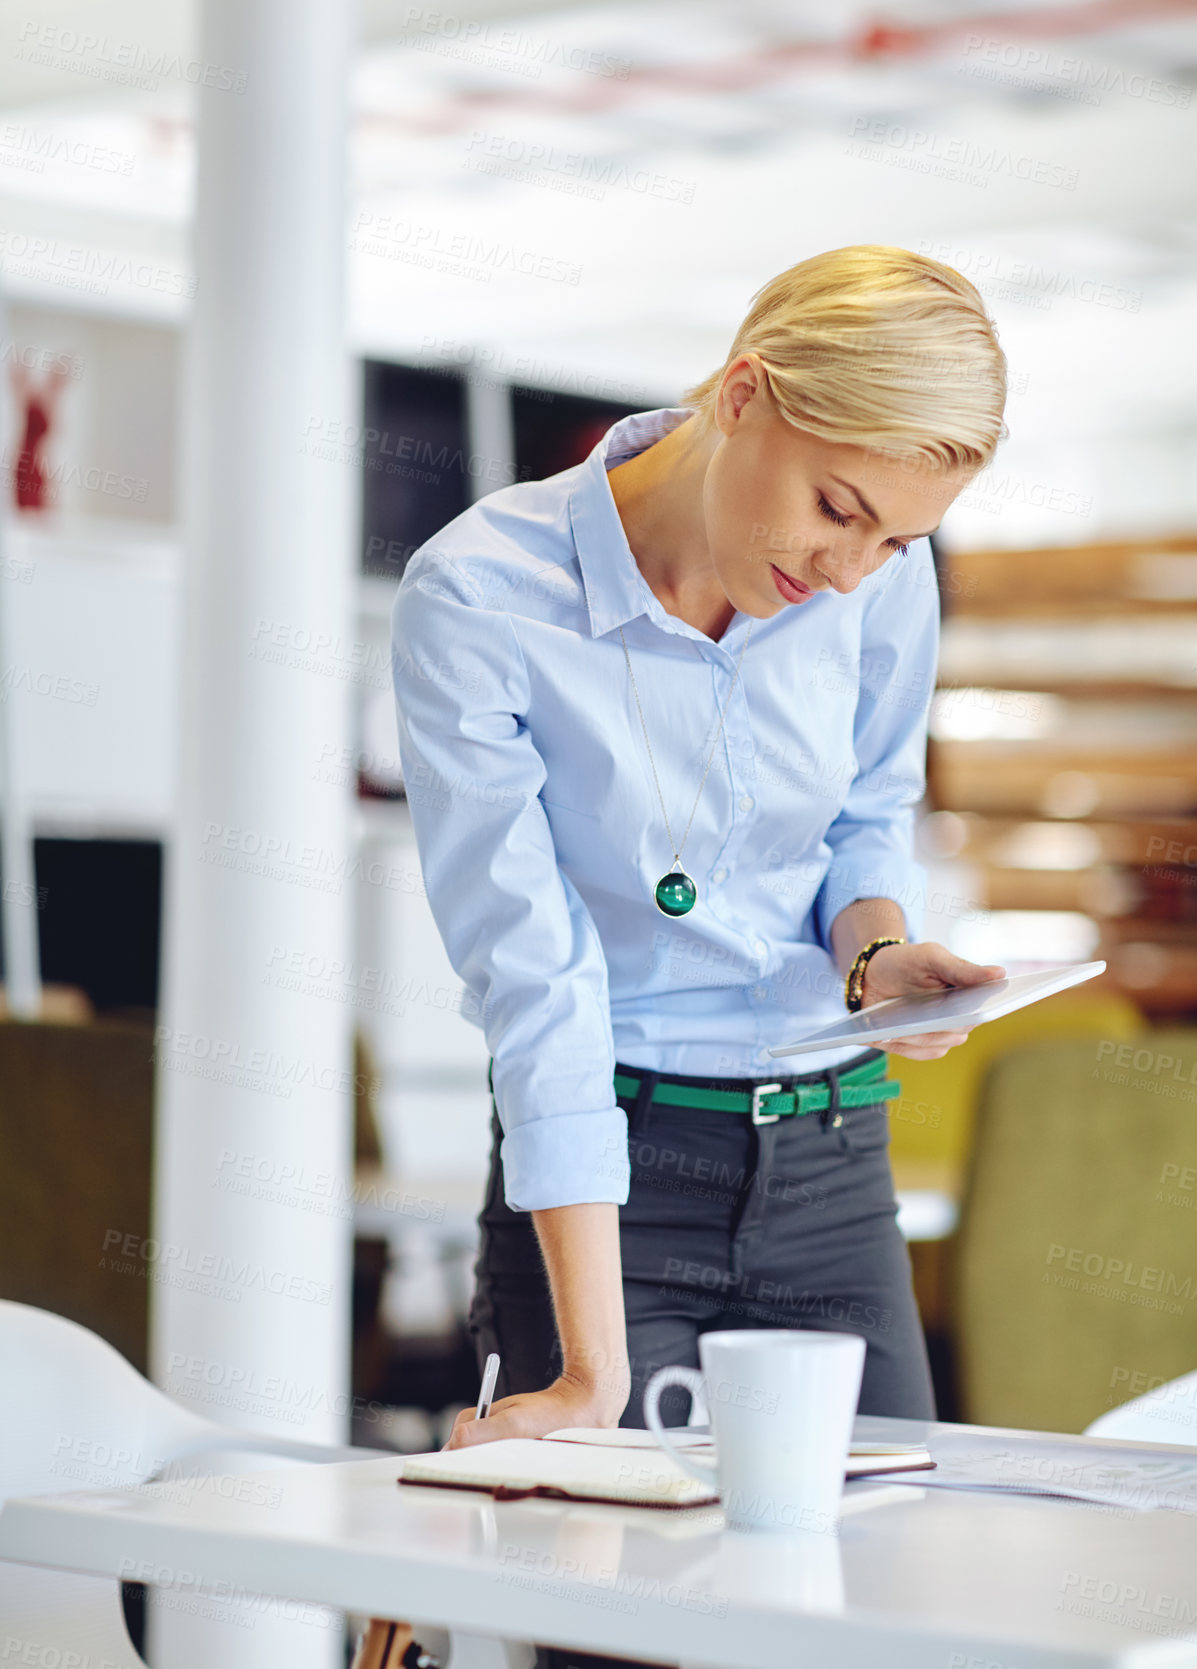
(792, 590)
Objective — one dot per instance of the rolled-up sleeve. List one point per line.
(515, 929)
(871, 839)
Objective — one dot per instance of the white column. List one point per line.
(18, 883)
(490, 431)
(251, 1270)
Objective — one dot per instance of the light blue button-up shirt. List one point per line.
(540, 831)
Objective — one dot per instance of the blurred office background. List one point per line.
(553, 215)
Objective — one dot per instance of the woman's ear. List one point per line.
(743, 381)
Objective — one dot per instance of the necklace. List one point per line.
(675, 893)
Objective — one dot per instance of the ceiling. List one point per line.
(602, 187)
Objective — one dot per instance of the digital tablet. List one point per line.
(957, 1008)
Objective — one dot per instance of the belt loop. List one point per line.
(833, 1112)
(638, 1117)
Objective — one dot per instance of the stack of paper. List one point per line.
(1136, 1479)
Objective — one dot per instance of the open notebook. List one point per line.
(584, 1464)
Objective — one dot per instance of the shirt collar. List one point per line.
(616, 590)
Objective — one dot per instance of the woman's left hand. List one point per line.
(904, 971)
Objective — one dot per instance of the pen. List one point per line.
(487, 1394)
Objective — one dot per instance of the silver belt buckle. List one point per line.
(759, 1091)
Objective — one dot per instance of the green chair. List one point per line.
(932, 1121)
(1076, 1274)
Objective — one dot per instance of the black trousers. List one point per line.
(727, 1225)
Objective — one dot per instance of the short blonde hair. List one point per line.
(877, 347)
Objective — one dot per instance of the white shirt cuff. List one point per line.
(567, 1159)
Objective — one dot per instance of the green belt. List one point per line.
(860, 1086)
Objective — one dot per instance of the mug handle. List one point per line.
(693, 1380)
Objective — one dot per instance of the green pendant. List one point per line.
(675, 893)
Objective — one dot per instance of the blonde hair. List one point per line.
(877, 347)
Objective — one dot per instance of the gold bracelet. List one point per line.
(854, 984)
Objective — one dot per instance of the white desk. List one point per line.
(919, 1580)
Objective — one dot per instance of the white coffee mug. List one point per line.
(782, 1402)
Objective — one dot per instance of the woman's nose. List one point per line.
(843, 568)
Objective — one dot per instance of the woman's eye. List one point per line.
(838, 517)
(832, 514)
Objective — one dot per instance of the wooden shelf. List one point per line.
(1019, 777)
(1100, 891)
(1131, 840)
(1149, 577)
(1064, 740)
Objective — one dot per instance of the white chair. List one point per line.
(1166, 1414)
(75, 1415)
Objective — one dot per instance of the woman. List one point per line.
(662, 723)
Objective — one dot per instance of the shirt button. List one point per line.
(745, 802)
(760, 948)
(719, 876)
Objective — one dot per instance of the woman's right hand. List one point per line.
(580, 1246)
(566, 1402)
